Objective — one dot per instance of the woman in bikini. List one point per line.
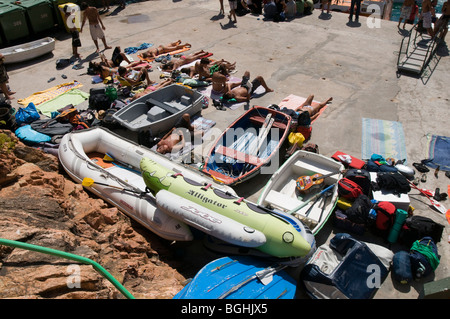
(154, 52)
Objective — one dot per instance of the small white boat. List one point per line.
(82, 154)
(160, 110)
(296, 185)
(27, 51)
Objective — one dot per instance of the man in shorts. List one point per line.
(96, 26)
(242, 91)
(405, 12)
(427, 16)
(233, 8)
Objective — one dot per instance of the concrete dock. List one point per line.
(323, 55)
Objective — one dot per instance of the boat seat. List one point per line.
(240, 156)
(164, 105)
(260, 120)
(281, 200)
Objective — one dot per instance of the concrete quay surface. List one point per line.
(315, 54)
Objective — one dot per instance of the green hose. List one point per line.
(63, 254)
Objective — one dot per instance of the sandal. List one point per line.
(424, 178)
(421, 167)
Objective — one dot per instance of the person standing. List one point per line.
(96, 25)
(222, 9)
(356, 12)
(405, 12)
(426, 16)
(233, 8)
(4, 80)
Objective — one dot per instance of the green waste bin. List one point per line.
(13, 22)
(39, 13)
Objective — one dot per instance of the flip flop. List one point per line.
(421, 167)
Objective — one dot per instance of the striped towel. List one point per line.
(46, 95)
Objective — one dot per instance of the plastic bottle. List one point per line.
(400, 217)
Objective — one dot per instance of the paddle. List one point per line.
(88, 182)
(291, 212)
(428, 194)
(264, 275)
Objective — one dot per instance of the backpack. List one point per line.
(359, 211)
(99, 102)
(416, 227)
(424, 257)
(342, 221)
(26, 115)
(348, 188)
(360, 177)
(385, 217)
(339, 270)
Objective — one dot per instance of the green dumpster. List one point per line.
(39, 13)
(13, 22)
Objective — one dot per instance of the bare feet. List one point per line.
(329, 100)
(108, 47)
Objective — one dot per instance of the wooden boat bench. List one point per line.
(237, 155)
(257, 119)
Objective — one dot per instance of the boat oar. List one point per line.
(88, 182)
(310, 199)
(433, 202)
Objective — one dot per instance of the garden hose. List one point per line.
(63, 254)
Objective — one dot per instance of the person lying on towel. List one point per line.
(162, 49)
(175, 139)
(134, 77)
(243, 90)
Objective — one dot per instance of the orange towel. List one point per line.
(171, 53)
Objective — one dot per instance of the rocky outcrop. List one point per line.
(40, 205)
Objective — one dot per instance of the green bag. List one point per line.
(111, 93)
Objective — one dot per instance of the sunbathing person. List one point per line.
(153, 88)
(174, 140)
(205, 68)
(175, 64)
(308, 112)
(117, 58)
(134, 77)
(242, 91)
(161, 49)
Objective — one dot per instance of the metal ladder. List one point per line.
(416, 51)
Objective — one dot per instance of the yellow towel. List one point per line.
(46, 95)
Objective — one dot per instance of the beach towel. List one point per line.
(149, 59)
(48, 94)
(74, 97)
(200, 123)
(293, 101)
(439, 152)
(385, 138)
(207, 91)
(132, 50)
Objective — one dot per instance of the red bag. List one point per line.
(349, 189)
(385, 216)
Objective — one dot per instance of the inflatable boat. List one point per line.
(224, 215)
(111, 163)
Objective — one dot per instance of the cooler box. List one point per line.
(72, 20)
(13, 22)
(400, 202)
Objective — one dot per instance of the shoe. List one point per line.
(424, 178)
(416, 181)
(421, 167)
(439, 196)
(447, 174)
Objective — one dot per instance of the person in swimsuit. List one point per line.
(161, 49)
(443, 20)
(175, 64)
(242, 91)
(308, 112)
(4, 80)
(96, 26)
(427, 16)
(134, 77)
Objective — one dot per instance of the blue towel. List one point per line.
(439, 152)
(132, 50)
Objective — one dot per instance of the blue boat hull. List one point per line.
(235, 278)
